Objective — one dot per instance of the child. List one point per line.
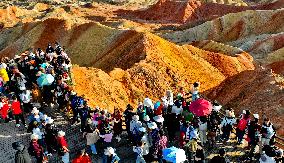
(139, 152)
(17, 111)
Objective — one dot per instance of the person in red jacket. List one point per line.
(82, 157)
(4, 109)
(17, 111)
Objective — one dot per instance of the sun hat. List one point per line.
(152, 125)
(146, 118)
(109, 151)
(44, 117)
(35, 111)
(142, 129)
(61, 133)
(159, 118)
(148, 102)
(49, 120)
(256, 116)
(34, 136)
(135, 117)
(217, 108)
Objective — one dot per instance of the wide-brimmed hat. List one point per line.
(34, 136)
(49, 120)
(159, 118)
(256, 116)
(142, 129)
(146, 118)
(152, 125)
(35, 111)
(217, 108)
(61, 133)
(135, 117)
(109, 151)
(44, 117)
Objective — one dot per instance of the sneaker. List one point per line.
(18, 125)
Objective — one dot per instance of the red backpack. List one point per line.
(242, 124)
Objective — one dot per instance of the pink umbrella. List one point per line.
(200, 107)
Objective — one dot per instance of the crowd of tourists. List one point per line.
(32, 82)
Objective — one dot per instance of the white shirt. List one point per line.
(177, 110)
(26, 97)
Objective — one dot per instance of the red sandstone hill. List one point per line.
(173, 11)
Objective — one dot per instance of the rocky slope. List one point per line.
(190, 11)
(154, 65)
(256, 32)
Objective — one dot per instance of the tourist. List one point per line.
(63, 147)
(36, 149)
(128, 113)
(146, 143)
(195, 91)
(22, 155)
(117, 126)
(227, 124)
(242, 125)
(253, 135)
(50, 136)
(26, 97)
(135, 124)
(139, 152)
(214, 121)
(92, 136)
(203, 130)
(17, 111)
(160, 144)
(267, 131)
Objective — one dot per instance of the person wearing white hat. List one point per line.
(159, 120)
(110, 155)
(63, 151)
(35, 148)
(227, 124)
(145, 140)
(49, 120)
(139, 152)
(135, 124)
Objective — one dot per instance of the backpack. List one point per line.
(242, 124)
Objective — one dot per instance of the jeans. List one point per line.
(195, 97)
(93, 148)
(65, 158)
(140, 159)
(240, 135)
(20, 116)
(203, 136)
